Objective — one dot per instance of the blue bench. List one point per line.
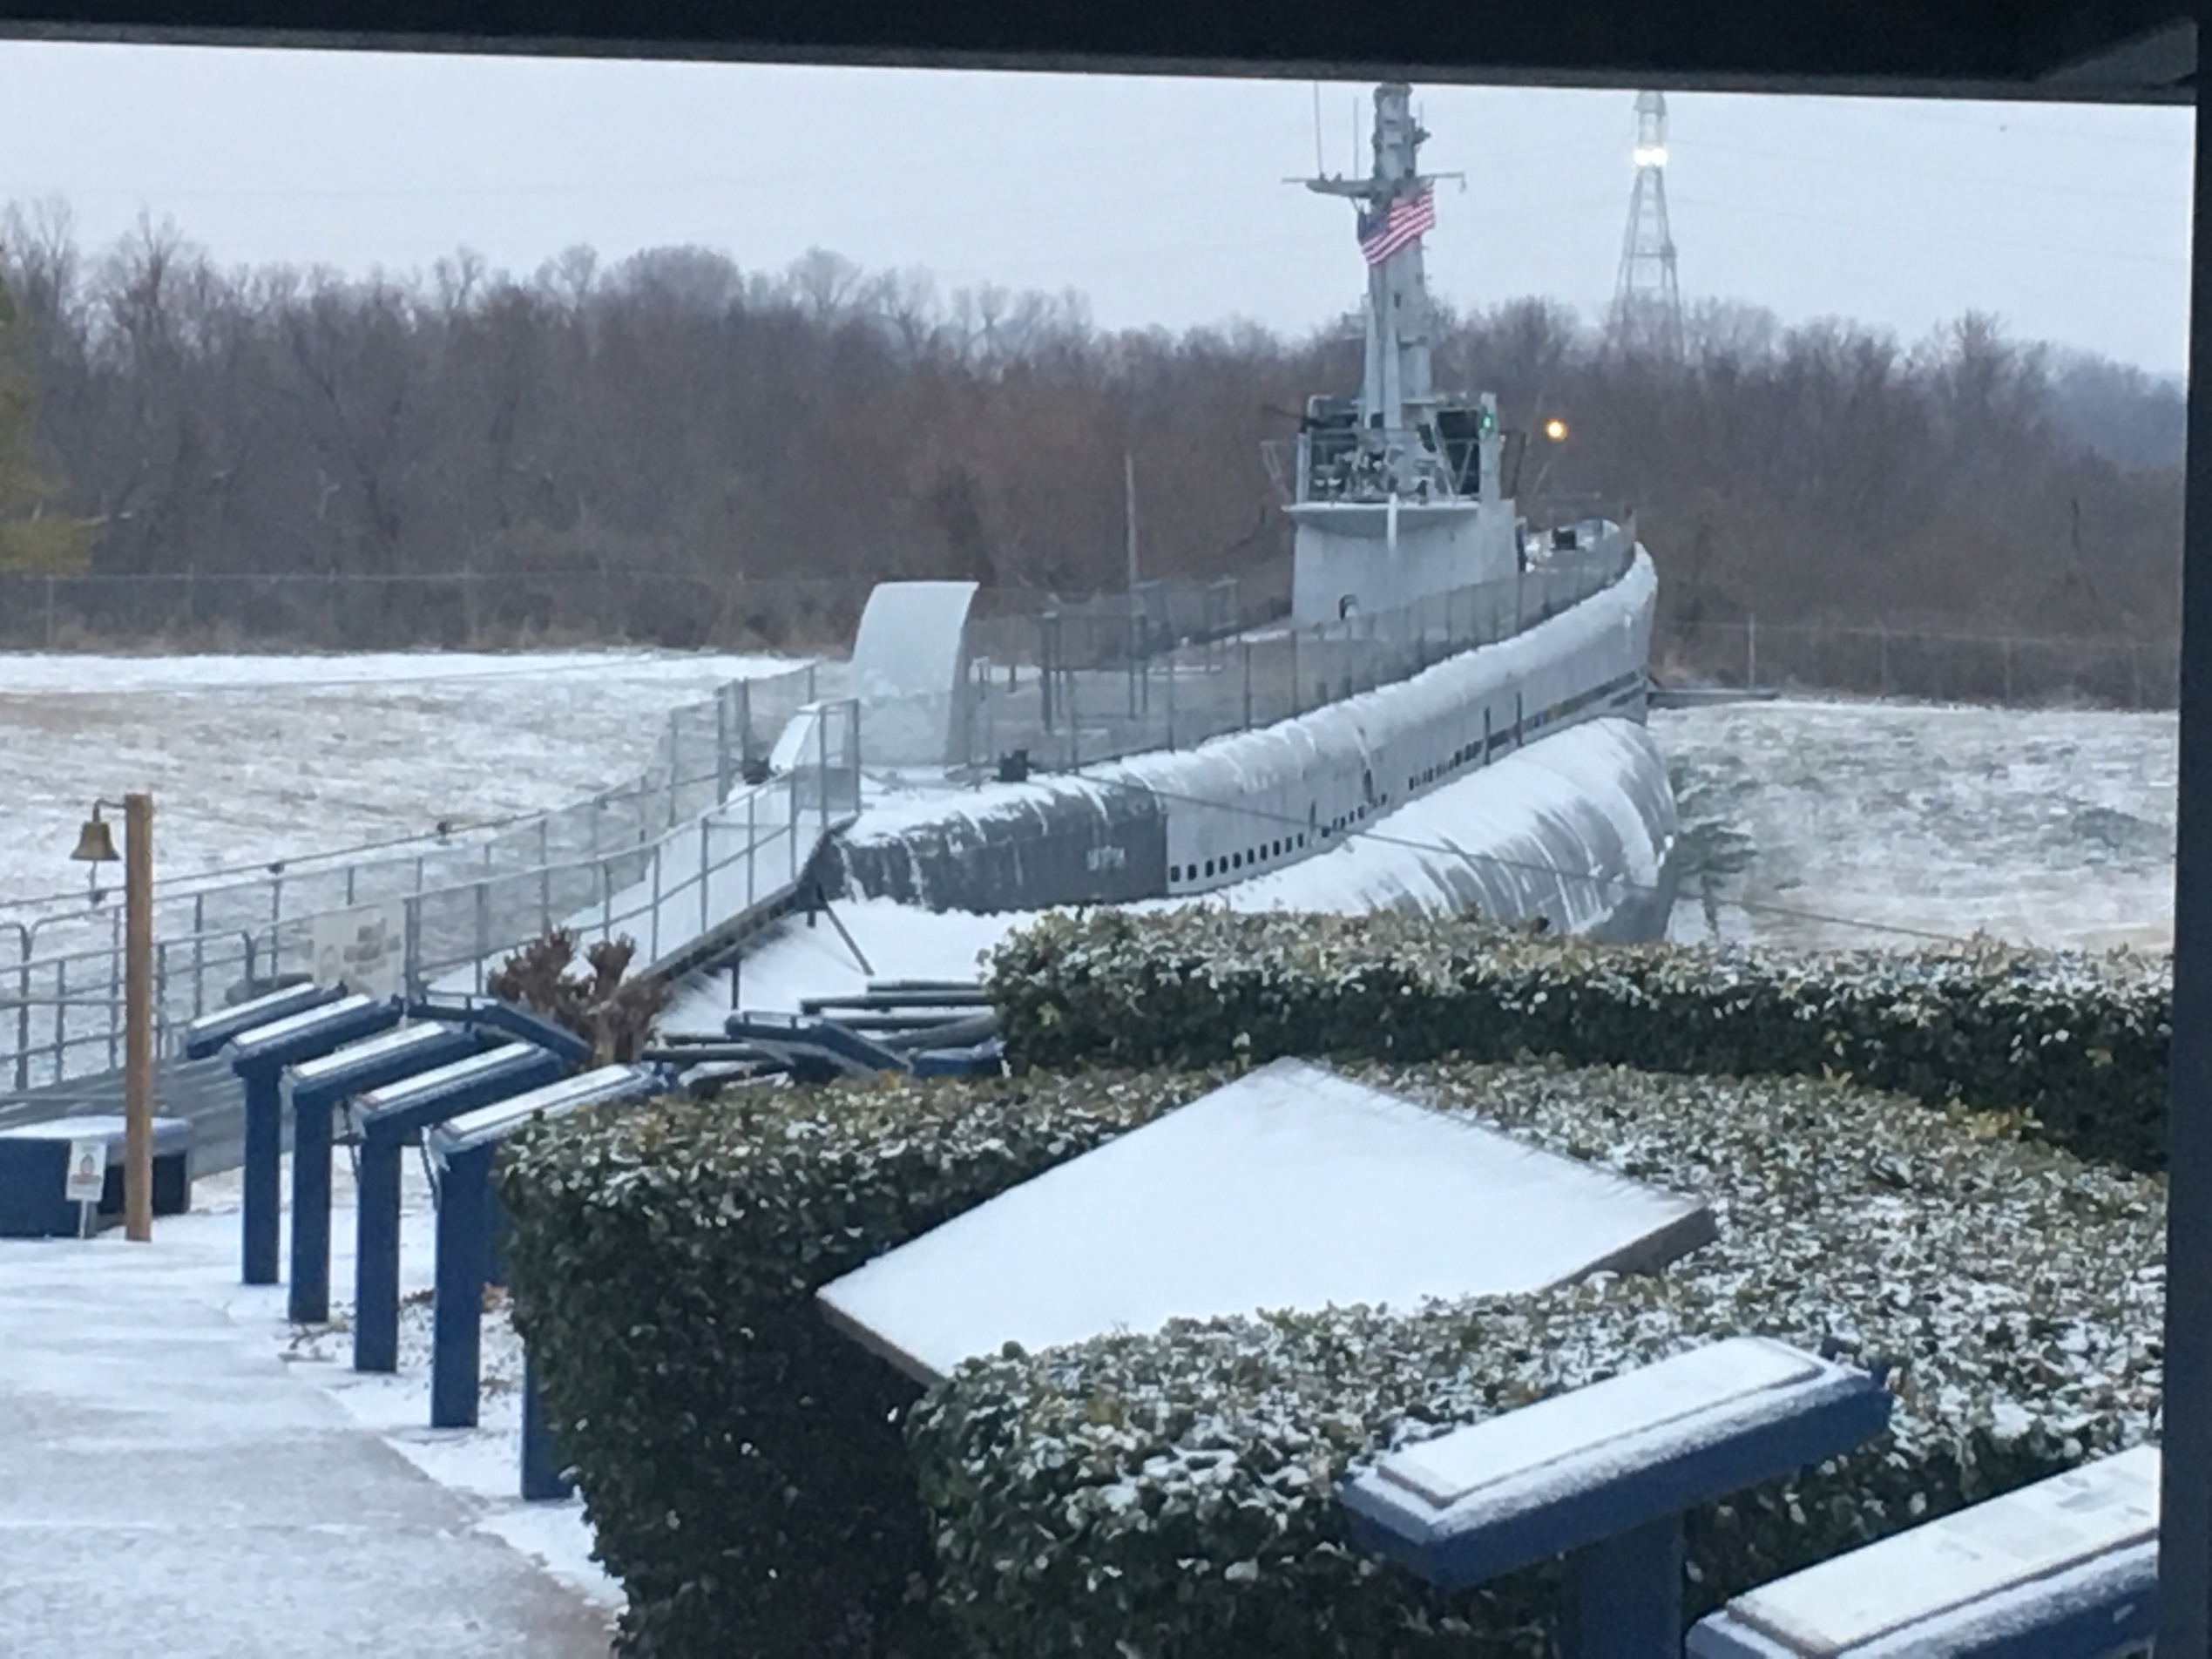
(386, 1121)
(34, 1174)
(259, 1053)
(1604, 1475)
(311, 1092)
(2067, 1568)
(469, 1222)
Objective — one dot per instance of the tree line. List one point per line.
(676, 424)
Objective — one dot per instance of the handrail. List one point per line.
(452, 925)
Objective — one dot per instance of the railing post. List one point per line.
(706, 868)
(482, 890)
(752, 845)
(199, 954)
(653, 937)
(61, 1017)
(410, 911)
(22, 1010)
(1248, 684)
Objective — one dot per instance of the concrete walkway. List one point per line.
(167, 1485)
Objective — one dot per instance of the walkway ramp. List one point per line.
(712, 884)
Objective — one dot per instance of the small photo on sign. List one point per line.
(87, 1171)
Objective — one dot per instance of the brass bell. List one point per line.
(95, 843)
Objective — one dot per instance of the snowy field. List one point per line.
(1867, 823)
(253, 758)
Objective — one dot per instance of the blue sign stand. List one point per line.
(205, 1038)
(543, 1479)
(313, 1092)
(489, 1013)
(468, 1223)
(258, 1055)
(2067, 1568)
(1604, 1475)
(388, 1120)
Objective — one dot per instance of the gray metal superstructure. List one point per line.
(1398, 492)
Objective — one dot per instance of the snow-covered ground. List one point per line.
(1868, 822)
(251, 758)
(1844, 824)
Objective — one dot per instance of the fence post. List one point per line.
(1171, 702)
(1882, 636)
(1248, 684)
(675, 767)
(705, 829)
(199, 953)
(752, 845)
(1293, 670)
(1750, 654)
(721, 746)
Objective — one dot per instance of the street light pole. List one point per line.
(138, 1013)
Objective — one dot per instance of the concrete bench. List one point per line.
(35, 1174)
(2067, 1568)
(1604, 1475)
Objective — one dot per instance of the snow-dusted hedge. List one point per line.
(741, 1462)
(1166, 1495)
(2077, 1040)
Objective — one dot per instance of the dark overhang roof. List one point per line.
(2117, 51)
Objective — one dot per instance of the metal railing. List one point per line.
(1075, 691)
(629, 857)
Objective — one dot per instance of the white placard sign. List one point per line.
(87, 1174)
(363, 949)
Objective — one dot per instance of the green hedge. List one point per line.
(1169, 1495)
(744, 1467)
(740, 1462)
(2077, 1042)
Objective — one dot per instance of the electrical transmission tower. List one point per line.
(1647, 301)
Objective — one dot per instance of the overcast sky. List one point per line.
(1161, 201)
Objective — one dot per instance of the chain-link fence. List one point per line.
(1073, 687)
(358, 611)
(1932, 665)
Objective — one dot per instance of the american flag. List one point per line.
(1401, 223)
